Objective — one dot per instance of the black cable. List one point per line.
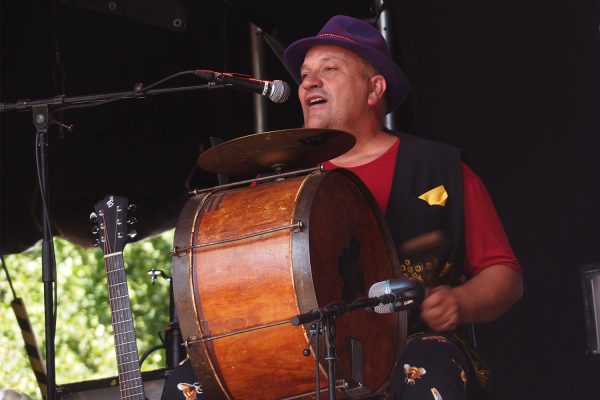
(12, 289)
(58, 69)
(149, 351)
(135, 93)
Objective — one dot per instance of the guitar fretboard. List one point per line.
(128, 364)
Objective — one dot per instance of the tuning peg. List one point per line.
(96, 242)
(93, 217)
(132, 221)
(132, 234)
(131, 208)
(95, 229)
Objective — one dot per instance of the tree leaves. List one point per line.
(84, 344)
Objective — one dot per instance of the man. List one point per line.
(440, 214)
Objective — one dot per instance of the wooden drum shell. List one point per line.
(235, 297)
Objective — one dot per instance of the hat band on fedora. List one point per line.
(337, 36)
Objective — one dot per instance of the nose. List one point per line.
(311, 81)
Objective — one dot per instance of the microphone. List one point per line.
(384, 297)
(397, 295)
(277, 91)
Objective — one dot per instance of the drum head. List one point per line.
(350, 250)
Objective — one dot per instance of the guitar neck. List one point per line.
(130, 377)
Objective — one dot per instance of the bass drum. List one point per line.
(248, 260)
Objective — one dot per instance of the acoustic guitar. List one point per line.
(111, 227)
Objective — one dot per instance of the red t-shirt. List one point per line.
(486, 243)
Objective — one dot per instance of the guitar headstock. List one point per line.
(111, 223)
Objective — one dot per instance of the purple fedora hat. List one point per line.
(361, 38)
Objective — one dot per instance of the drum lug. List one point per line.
(298, 226)
(179, 251)
(190, 341)
(358, 391)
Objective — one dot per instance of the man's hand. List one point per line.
(483, 298)
(441, 310)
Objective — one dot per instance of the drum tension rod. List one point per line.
(279, 176)
(195, 339)
(182, 251)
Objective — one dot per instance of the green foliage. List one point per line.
(84, 343)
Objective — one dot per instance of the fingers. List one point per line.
(441, 309)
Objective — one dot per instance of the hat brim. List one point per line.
(397, 84)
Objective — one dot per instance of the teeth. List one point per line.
(316, 100)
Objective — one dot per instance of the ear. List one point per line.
(377, 87)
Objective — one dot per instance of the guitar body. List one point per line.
(111, 215)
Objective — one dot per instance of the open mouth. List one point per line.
(316, 100)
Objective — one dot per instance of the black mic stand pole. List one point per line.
(330, 357)
(41, 121)
(173, 336)
(99, 99)
(329, 314)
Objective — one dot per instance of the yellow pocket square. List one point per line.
(436, 196)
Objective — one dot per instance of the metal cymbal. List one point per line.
(275, 151)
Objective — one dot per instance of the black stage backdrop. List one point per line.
(513, 83)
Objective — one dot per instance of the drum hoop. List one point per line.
(257, 180)
(391, 246)
(299, 239)
(182, 270)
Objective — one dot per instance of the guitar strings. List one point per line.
(129, 379)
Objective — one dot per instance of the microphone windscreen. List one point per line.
(409, 293)
(377, 290)
(280, 91)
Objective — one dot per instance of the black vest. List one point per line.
(429, 238)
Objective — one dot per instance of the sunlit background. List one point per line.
(84, 335)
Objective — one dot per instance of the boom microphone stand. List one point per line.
(41, 120)
(41, 114)
(393, 294)
(329, 313)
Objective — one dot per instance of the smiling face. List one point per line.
(337, 88)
